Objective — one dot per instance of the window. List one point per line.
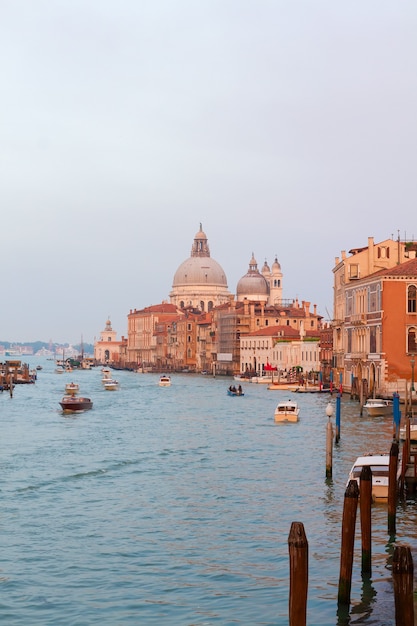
(411, 340)
(354, 270)
(411, 299)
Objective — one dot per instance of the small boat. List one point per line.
(75, 404)
(379, 464)
(378, 407)
(111, 384)
(39, 367)
(164, 381)
(232, 391)
(287, 411)
(71, 389)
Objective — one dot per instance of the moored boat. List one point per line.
(377, 407)
(164, 381)
(287, 411)
(75, 404)
(379, 464)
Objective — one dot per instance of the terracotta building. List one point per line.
(375, 318)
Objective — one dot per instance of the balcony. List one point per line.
(358, 319)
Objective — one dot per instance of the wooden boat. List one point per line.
(164, 381)
(379, 464)
(232, 391)
(111, 384)
(287, 411)
(378, 407)
(71, 389)
(75, 404)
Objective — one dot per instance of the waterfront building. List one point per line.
(235, 320)
(375, 317)
(281, 347)
(146, 329)
(108, 349)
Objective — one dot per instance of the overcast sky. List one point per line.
(286, 128)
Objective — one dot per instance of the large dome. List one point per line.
(253, 284)
(199, 281)
(199, 271)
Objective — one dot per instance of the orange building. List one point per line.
(379, 331)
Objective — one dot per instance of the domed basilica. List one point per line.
(200, 282)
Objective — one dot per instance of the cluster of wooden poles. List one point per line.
(402, 562)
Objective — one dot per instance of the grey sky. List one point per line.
(286, 128)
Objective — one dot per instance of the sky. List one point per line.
(286, 128)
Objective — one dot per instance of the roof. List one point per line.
(406, 269)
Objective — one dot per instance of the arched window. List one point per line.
(411, 340)
(411, 299)
(182, 304)
(201, 305)
(210, 305)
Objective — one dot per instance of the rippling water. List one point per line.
(173, 505)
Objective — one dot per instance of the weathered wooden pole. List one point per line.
(329, 442)
(392, 487)
(365, 517)
(298, 551)
(338, 411)
(350, 508)
(402, 574)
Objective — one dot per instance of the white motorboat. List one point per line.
(164, 381)
(379, 464)
(71, 389)
(111, 384)
(287, 411)
(378, 407)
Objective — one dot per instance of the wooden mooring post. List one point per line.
(392, 487)
(402, 574)
(298, 552)
(329, 441)
(350, 508)
(365, 517)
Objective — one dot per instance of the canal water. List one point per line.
(173, 505)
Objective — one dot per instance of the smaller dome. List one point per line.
(252, 285)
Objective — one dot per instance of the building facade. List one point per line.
(108, 349)
(375, 321)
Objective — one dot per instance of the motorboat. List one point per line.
(71, 389)
(75, 404)
(287, 411)
(111, 384)
(164, 381)
(378, 407)
(233, 391)
(379, 464)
